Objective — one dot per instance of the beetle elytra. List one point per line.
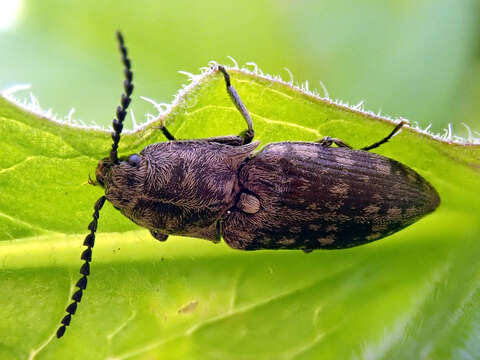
(291, 195)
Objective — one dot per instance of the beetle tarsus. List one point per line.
(386, 138)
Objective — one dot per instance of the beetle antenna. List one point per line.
(121, 111)
(84, 269)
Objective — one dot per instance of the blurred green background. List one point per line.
(415, 295)
(417, 59)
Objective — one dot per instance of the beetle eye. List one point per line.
(134, 160)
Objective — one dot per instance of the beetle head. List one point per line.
(125, 165)
(123, 180)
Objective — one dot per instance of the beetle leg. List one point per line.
(249, 133)
(232, 140)
(385, 139)
(158, 235)
(165, 131)
(327, 141)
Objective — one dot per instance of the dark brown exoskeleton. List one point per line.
(291, 195)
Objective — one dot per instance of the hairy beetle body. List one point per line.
(291, 195)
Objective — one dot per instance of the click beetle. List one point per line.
(291, 195)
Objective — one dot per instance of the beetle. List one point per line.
(291, 195)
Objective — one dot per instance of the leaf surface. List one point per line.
(412, 295)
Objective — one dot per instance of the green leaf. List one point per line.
(411, 295)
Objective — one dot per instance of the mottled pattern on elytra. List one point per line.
(313, 196)
(179, 187)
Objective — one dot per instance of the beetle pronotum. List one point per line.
(291, 195)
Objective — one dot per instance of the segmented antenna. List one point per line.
(125, 100)
(90, 239)
(84, 269)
